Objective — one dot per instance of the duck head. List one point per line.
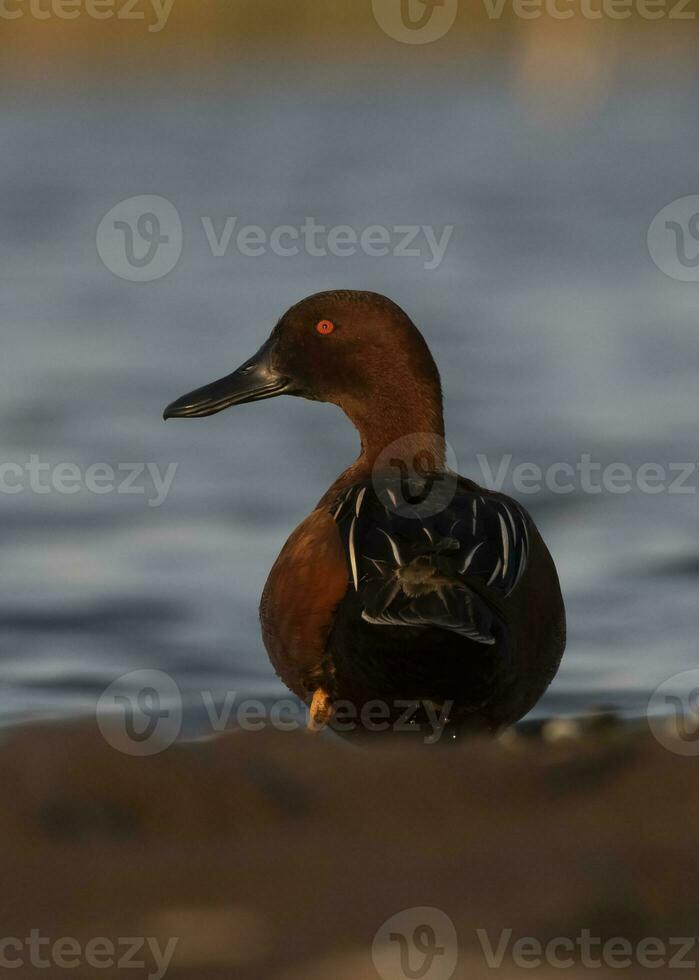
(358, 350)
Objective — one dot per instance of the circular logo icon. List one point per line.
(415, 21)
(673, 713)
(140, 713)
(419, 942)
(409, 479)
(673, 239)
(140, 239)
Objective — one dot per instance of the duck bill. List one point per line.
(252, 382)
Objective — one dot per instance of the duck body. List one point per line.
(459, 610)
(407, 585)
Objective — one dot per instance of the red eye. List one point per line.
(325, 327)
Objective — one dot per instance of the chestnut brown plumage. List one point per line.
(375, 597)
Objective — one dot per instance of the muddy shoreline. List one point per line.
(281, 855)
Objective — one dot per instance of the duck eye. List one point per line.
(325, 327)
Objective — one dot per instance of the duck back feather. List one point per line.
(446, 561)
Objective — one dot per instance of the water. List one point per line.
(555, 334)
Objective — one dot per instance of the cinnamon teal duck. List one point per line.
(407, 584)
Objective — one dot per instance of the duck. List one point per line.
(409, 592)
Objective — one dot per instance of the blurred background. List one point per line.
(549, 144)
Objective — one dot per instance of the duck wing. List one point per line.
(450, 565)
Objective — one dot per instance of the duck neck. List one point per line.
(396, 431)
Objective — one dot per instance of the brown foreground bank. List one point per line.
(280, 856)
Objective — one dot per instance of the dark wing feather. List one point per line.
(451, 569)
